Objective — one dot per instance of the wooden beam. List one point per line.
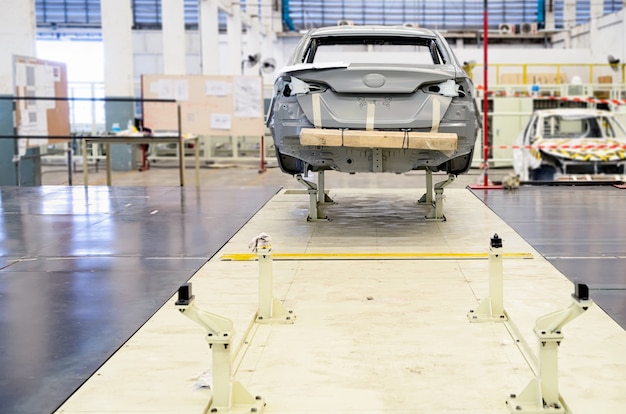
(378, 139)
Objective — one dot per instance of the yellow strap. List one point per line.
(369, 120)
(436, 115)
(317, 110)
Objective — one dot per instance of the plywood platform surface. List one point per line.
(370, 336)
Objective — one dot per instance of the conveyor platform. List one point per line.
(373, 335)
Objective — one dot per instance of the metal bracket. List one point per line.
(542, 393)
(491, 309)
(228, 396)
(436, 212)
(377, 160)
(271, 310)
(317, 196)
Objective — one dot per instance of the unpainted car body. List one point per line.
(401, 80)
(570, 141)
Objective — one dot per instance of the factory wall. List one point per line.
(574, 47)
(603, 37)
(148, 58)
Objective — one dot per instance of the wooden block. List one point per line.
(605, 79)
(378, 139)
(320, 137)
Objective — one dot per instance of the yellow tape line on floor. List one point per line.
(239, 257)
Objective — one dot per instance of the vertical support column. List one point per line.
(265, 283)
(314, 213)
(271, 20)
(548, 370)
(596, 12)
(117, 22)
(491, 309)
(321, 192)
(174, 45)
(496, 284)
(222, 371)
(271, 310)
(569, 20)
(17, 37)
(549, 15)
(427, 197)
(271, 16)
(233, 26)
(569, 13)
(209, 37)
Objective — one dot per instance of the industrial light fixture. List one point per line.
(267, 66)
(250, 62)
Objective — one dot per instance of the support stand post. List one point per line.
(317, 196)
(427, 197)
(321, 190)
(542, 393)
(228, 396)
(436, 212)
(271, 310)
(491, 309)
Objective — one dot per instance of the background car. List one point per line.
(373, 99)
(570, 141)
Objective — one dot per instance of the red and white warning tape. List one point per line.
(564, 146)
(588, 100)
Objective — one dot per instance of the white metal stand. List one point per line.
(228, 396)
(271, 310)
(491, 309)
(436, 211)
(542, 393)
(317, 196)
(427, 197)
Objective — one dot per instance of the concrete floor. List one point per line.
(370, 336)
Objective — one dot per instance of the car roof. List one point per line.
(371, 30)
(572, 112)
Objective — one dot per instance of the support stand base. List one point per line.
(317, 197)
(280, 315)
(530, 402)
(436, 210)
(242, 402)
(483, 313)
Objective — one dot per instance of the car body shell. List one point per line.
(569, 141)
(419, 88)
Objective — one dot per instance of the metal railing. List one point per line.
(548, 73)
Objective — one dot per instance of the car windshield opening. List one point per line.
(558, 126)
(578, 127)
(420, 51)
